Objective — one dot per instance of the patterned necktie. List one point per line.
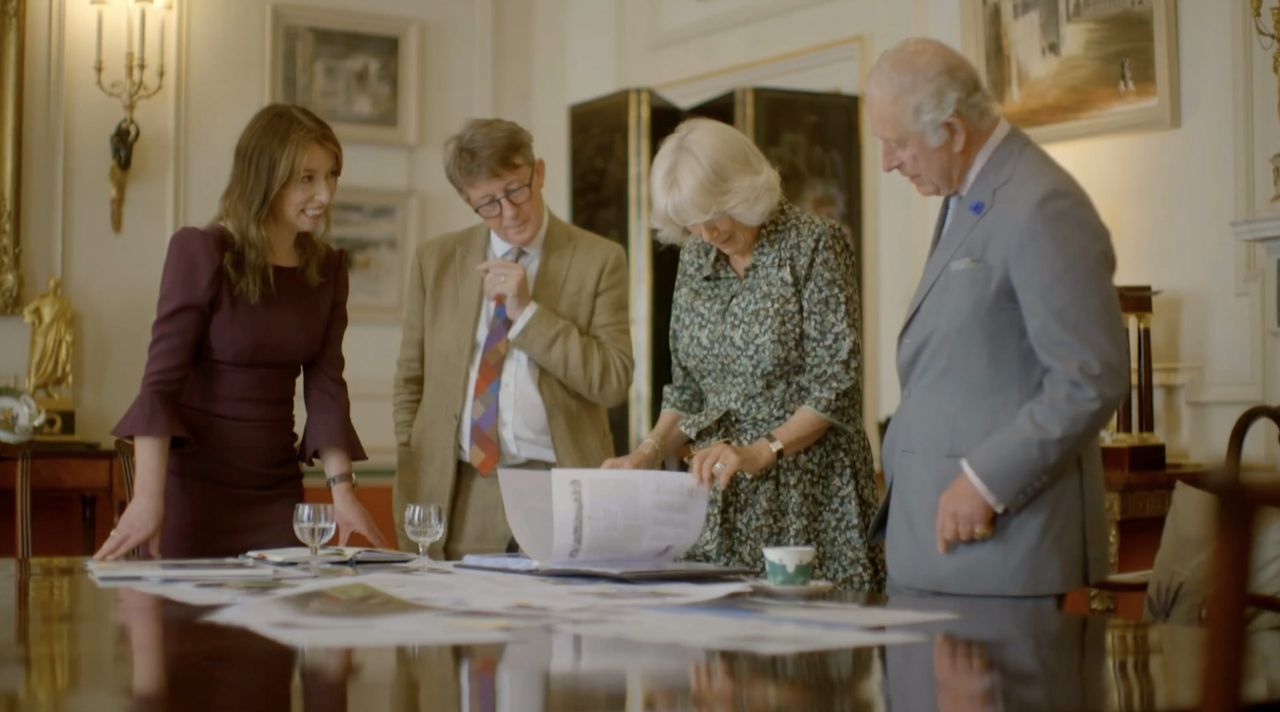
(484, 407)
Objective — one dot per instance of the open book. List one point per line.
(628, 524)
(330, 555)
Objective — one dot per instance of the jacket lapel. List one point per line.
(553, 267)
(968, 211)
(470, 253)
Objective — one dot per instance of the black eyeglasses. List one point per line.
(518, 195)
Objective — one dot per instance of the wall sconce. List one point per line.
(1270, 40)
(130, 90)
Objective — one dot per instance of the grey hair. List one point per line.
(706, 169)
(931, 81)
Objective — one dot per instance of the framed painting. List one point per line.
(356, 71)
(1064, 69)
(373, 226)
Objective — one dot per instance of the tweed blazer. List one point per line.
(579, 337)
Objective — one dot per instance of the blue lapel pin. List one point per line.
(977, 206)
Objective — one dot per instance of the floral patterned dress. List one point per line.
(746, 354)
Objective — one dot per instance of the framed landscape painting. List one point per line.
(373, 226)
(1068, 68)
(356, 71)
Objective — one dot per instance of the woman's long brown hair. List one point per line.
(269, 154)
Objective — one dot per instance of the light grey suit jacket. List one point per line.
(1013, 356)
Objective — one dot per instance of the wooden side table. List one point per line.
(82, 469)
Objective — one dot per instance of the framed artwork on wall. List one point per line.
(1064, 69)
(357, 71)
(373, 226)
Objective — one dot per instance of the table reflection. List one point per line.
(126, 649)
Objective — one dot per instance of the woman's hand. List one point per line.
(719, 462)
(642, 458)
(138, 526)
(353, 518)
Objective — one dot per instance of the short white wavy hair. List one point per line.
(931, 81)
(704, 170)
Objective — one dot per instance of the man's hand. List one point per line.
(963, 515)
(506, 279)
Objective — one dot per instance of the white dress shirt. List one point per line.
(980, 160)
(524, 433)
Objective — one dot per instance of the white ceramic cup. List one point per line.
(789, 565)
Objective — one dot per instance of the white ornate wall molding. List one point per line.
(1249, 276)
(179, 110)
(673, 21)
(832, 66)
(486, 27)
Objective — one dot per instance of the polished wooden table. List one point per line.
(65, 643)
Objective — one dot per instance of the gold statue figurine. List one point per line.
(1270, 40)
(49, 366)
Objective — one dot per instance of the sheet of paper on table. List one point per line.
(177, 570)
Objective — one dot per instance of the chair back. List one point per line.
(124, 451)
(1237, 508)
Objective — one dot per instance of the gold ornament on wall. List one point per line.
(1270, 41)
(12, 21)
(130, 90)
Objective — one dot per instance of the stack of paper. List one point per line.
(177, 570)
(331, 555)
(629, 524)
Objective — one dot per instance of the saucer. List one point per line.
(813, 588)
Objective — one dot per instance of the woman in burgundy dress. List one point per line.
(246, 304)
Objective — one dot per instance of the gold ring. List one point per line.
(982, 533)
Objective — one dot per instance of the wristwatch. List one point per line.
(343, 477)
(775, 445)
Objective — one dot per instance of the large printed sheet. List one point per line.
(570, 517)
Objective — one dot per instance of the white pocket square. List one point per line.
(964, 263)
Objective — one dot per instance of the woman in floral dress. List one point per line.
(766, 363)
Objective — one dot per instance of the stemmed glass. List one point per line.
(314, 524)
(423, 524)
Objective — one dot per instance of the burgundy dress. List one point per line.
(220, 381)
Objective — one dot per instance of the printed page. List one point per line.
(623, 515)
(526, 499)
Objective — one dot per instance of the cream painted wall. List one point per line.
(1167, 196)
(217, 80)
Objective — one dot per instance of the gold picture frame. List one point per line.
(358, 71)
(1062, 70)
(12, 24)
(374, 226)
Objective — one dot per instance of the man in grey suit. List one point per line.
(1013, 355)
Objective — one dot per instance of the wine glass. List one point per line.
(314, 524)
(423, 524)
